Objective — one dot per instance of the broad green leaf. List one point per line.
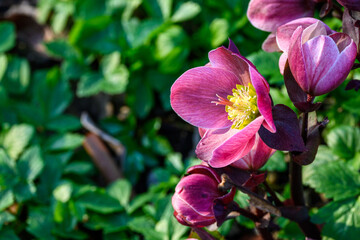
(344, 141)
(66, 141)
(352, 105)
(79, 167)
(145, 226)
(268, 65)
(109, 222)
(17, 139)
(62, 49)
(144, 100)
(7, 36)
(165, 7)
(40, 222)
(139, 201)
(174, 163)
(341, 218)
(17, 75)
(90, 84)
(50, 86)
(120, 190)
(8, 234)
(63, 10)
(65, 221)
(99, 201)
(6, 217)
(30, 163)
(24, 190)
(336, 180)
(63, 123)
(8, 175)
(173, 37)
(110, 63)
(62, 193)
(219, 29)
(116, 82)
(186, 11)
(6, 199)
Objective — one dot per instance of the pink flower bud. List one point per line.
(318, 61)
(195, 197)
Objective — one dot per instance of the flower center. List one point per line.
(241, 106)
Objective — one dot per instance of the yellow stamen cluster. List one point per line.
(241, 106)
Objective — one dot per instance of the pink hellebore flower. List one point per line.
(256, 158)
(267, 15)
(350, 4)
(318, 61)
(230, 99)
(195, 196)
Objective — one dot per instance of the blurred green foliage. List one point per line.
(134, 50)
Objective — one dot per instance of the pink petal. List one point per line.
(320, 53)
(314, 30)
(296, 60)
(193, 95)
(270, 44)
(282, 62)
(227, 60)
(220, 148)
(267, 15)
(284, 32)
(263, 98)
(232, 47)
(338, 71)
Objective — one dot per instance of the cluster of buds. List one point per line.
(229, 101)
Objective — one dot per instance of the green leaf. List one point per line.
(341, 218)
(79, 167)
(186, 11)
(174, 163)
(8, 234)
(145, 226)
(7, 36)
(24, 190)
(63, 10)
(344, 141)
(99, 201)
(120, 190)
(219, 29)
(6, 217)
(268, 65)
(116, 82)
(8, 174)
(64, 123)
(144, 100)
(66, 141)
(165, 7)
(62, 49)
(6, 199)
(90, 84)
(17, 75)
(17, 139)
(40, 222)
(109, 223)
(30, 163)
(336, 180)
(63, 192)
(54, 89)
(139, 201)
(276, 163)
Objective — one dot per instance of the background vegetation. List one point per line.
(90, 148)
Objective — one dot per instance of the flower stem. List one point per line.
(296, 187)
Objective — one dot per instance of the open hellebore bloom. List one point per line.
(256, 158)
(320, 62)
(350, 4)
(195, 197)
(267, 15)
(230, 99)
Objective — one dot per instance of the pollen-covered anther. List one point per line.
(241, 106)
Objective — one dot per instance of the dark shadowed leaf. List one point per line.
(287, 136)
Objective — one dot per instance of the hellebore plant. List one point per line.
(230, 99)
